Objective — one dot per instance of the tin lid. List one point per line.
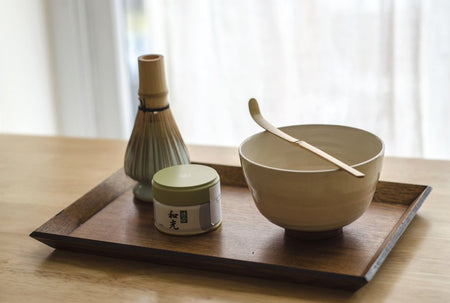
(186, 184)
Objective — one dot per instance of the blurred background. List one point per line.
(69, 68)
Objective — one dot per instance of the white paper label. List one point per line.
(189, 219)
(215, 209)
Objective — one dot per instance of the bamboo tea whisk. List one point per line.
(155, 141)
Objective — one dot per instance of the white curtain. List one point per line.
(383, 66)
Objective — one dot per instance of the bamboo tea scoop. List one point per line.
(259, 119)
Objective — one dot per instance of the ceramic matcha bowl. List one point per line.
(303, 193)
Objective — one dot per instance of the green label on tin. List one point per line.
(183, 216)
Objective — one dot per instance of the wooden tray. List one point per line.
(109, 221)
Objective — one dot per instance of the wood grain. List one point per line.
(88, 205)
(246, 244)
(39, 176)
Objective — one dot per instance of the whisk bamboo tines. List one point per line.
(155, 141)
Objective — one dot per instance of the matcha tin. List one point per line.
(186, 199)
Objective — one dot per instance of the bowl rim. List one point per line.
(379, 154)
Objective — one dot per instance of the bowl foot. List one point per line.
(313, 235)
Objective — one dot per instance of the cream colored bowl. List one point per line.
(299, 191)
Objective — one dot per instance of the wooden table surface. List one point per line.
(39, 176)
